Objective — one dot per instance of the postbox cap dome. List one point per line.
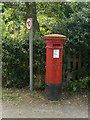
(54, 36)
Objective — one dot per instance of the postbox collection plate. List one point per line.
(56, 53)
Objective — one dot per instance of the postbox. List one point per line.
(54, 52)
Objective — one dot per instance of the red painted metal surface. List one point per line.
(54, 65)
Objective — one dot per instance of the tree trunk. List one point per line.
(31, 13)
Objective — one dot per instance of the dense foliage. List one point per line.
(70, 19)
(76, 28)
(14, 50)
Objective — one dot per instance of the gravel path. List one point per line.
(39, 111)
(23, 104)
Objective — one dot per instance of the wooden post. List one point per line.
(74, 65)
(64, 67)
(79, 64)
(68, 64)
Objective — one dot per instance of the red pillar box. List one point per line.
(54, 51)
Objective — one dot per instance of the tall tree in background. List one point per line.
(25, 10)
(31, 12)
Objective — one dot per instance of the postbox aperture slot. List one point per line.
(56, 44)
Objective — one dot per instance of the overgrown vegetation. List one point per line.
(18, 96)
(70, 19)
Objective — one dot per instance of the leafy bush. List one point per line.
(15, 57)
(39, 60)
(76, 28)
(15, 63)
(15, 54)
(77, 85)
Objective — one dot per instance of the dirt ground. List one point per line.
(21, 103)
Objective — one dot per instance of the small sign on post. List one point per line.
(29, 26)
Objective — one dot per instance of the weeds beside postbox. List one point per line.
(54, 51)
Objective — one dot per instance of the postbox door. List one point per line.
(54, 66)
